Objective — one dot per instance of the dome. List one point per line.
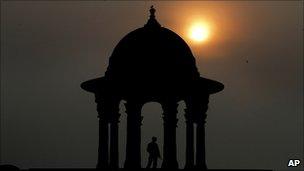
(152, 60)
(152, 54)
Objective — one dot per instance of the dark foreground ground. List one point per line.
(14, 168)
(153, 169)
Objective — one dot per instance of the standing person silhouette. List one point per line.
(154, 153)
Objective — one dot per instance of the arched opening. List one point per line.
(152, 125)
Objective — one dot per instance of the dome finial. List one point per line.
(152, 22)
(152, 12)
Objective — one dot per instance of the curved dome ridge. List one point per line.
(155, 52)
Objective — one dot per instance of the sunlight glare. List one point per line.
(199, 32)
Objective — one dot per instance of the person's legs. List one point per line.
(149, 162)
(154, 163)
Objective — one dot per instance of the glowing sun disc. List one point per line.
(199, 32)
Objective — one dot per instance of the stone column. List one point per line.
(103, 155)
(201, 107)
(189, 139)
(114, 153)
(169, 146)
(200, 144)
(103, 144)
(133, 146)
(108, 113)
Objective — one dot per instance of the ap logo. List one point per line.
(293, 162)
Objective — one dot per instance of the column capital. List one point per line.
(108, 108)
(133, 110)
(114, 118)
(169, 112)
(201, 119)
(169, 105)
(188, 116)
(196, 110)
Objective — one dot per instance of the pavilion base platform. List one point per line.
(144, 169)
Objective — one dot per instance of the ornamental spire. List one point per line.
(152, 12)
(152, 22)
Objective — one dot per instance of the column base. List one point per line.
(189, 166)
(169, 165)
(201, 167)
(101, 166)
(131, 165)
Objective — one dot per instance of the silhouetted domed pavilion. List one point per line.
(151, 63)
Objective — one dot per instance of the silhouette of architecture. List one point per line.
(151, 63)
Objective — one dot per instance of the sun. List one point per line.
(199, 32)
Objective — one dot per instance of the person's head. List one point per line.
(154, 139)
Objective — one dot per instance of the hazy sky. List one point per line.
(49, 48)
